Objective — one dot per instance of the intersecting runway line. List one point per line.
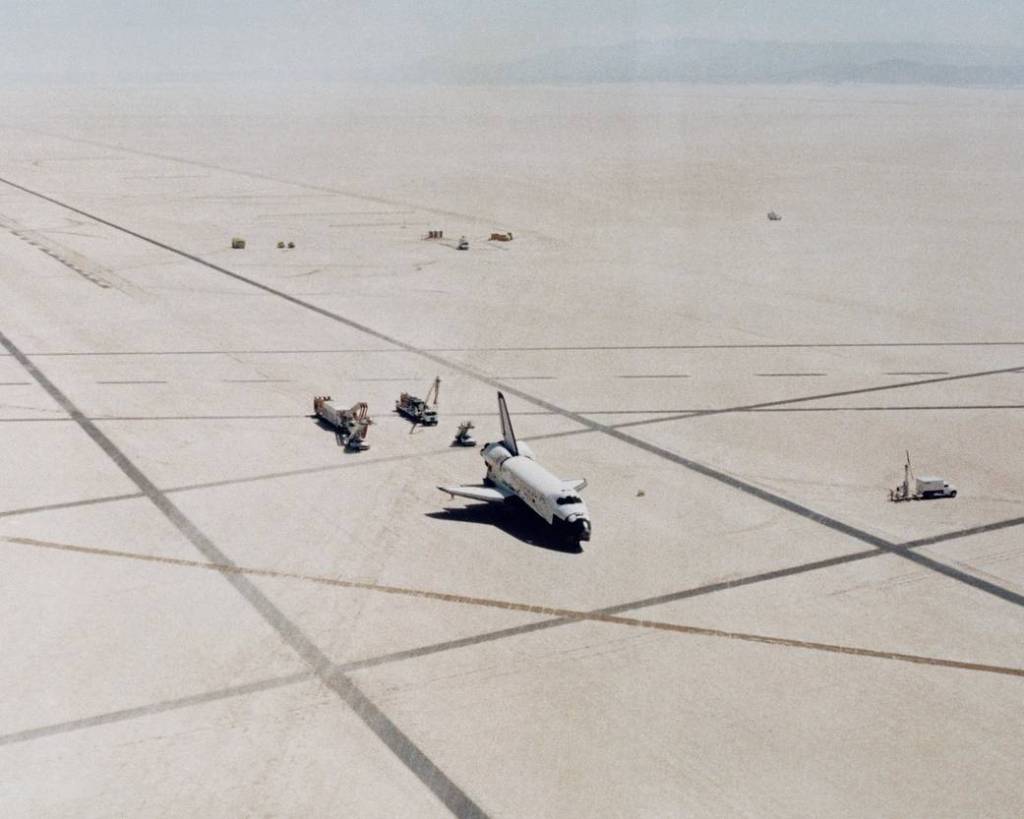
(598, 616)
(588, 423)
(598, 348)
(407, 752)
(764, 406)
(415, 760)
(403, 655)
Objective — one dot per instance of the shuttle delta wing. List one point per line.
(508, 437)
(488, 494)
(576, 484)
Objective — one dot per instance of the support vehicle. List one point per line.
(350, 425)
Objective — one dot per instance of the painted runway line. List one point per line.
(611, 431)
(492, 636)
(602, 616)
(404, 749)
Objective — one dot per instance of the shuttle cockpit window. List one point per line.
(567, 500)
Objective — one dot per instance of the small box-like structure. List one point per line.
(238, 243)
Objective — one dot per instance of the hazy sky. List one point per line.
(311, 37)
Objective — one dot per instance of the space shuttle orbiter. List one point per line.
(512, 472)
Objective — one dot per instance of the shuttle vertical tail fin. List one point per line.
(508, 437)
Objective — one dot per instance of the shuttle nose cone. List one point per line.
(581, 527)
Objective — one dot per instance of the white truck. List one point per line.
(933, 488)
(923, 488)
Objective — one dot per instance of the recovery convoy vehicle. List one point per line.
(350, 425)
(420, 410)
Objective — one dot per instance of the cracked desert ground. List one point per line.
(209, 608)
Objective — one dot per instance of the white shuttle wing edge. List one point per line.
(575, 484)
(488, 494)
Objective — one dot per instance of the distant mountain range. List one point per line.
(708, 61)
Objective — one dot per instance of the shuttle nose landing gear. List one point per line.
(573, 532)
(581, 530)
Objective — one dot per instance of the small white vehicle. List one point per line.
(934, 488)
(923, 488)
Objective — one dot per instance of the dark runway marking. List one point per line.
(478, 639)
(602, 616)
(376, 224)
(208, 352)
(264, 685)
(701, 411)
(125, 714)
(819, 397)
(58, 253)
(15, 383)
(32, 420)
(917, 408)
(685, 413)
(621, 412)
(316, 213)
(790, 375)
(765, 346)
(610, 431)
(267, 416)
(843, 528)
(290, 473)
(974, 530)
(610, 348)
(132, 382)
(49, 507)
(102, 418)
(372, 717)
(351, 463)
(171, 176)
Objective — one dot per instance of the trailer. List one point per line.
(421, 411)
(350, 424)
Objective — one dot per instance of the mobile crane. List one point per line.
(420, 410)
